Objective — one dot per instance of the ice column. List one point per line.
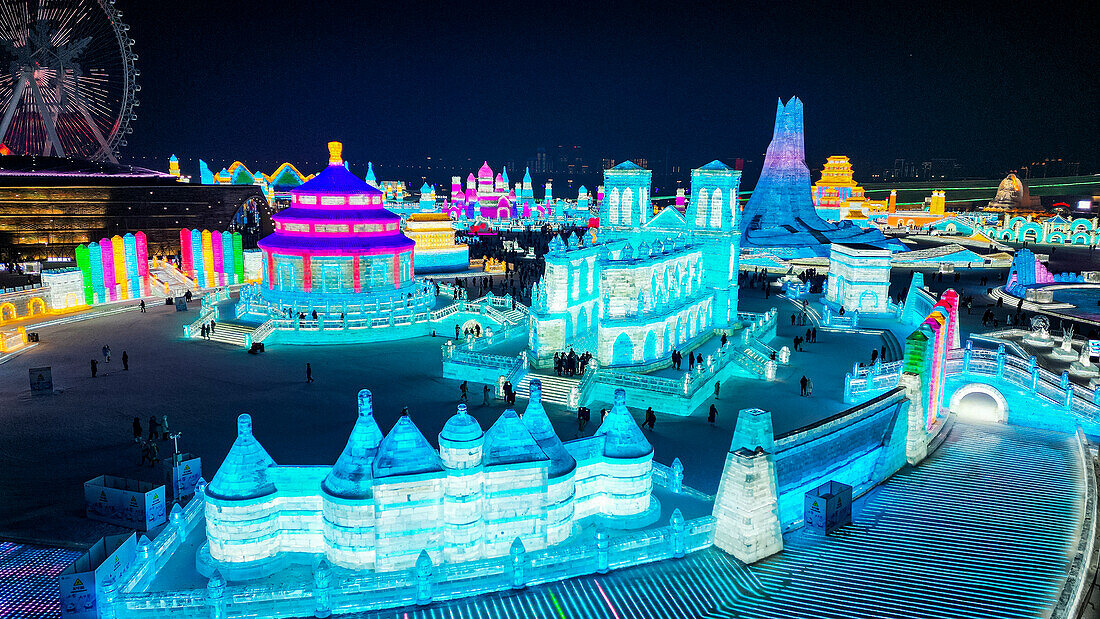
(747, 504)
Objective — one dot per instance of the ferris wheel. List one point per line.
(67, 78)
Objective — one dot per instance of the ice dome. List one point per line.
(622, 436)
(485, 171)
(243, 473)
(461, 428)
(538, 424)
(350, 477)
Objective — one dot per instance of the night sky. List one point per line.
(266, 81)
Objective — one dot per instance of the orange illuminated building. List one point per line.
(838, 195)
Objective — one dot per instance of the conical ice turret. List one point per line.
(244, 472)
(351, 476)
(405, 451)
(622, 436)
(538, 424)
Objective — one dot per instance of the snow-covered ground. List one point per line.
(50, 445)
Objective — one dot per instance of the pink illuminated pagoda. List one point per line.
(336, 249)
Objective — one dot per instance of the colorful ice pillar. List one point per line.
(85, 266)
(199, 272)
(216, 247)
(108, 253)
(227, 259)
(119, 249)
(238, 256)
(129, 245)
(142, 254)
(187, 260)
(95, 268)
(142, 262)
(207, 260)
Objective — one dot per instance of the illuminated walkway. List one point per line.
(28, 579)
(982, 528)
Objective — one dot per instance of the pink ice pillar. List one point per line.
(108, 253)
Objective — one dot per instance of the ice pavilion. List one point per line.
(336, 249)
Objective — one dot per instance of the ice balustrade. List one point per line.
(260, 333)
(206, 314)
(1023, 372)
(326, 590)
(1075, 593)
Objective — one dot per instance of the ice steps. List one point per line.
(555, 389)
(227, 333)
(515, 317)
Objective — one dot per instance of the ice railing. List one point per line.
(329, 589)
(864, 382)
(756, 325)
(1023, 372)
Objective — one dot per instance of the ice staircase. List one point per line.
(555, 389)
(228, 333)
(515, 317)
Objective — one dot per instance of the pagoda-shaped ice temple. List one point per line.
(390, 497)
(780, 215)
(336, 250)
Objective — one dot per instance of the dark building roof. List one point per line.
(21, 170)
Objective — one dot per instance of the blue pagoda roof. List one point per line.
(509, 442)
(628, 165)
(244, 472)
(405, 451)
(538, 424)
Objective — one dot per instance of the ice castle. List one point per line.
(389, 497)
(648, 283)
(780, 215)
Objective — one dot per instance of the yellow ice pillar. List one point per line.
(939, 199)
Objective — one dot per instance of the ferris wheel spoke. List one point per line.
(106, 149)
(48, 120)
(16, 97)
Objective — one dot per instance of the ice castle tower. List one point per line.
(780, 216)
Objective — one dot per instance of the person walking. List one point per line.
(874, 355)
(802, 384)
(814, 335)
(717, 389)
(137, 430)
(485, 391)
(691, 362)
(106, 353)
(154, 428)
(212, 325)
(724, 339)
(309, 374)
(712, 416)
(95, 367)
(125, 361)
(164, 428)
(650, 418)
(464, 390)
(146, 453)
(142, 306)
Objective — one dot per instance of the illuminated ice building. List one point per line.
(337, 250)
(390, 497)
(780, 216)
(648, 283)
